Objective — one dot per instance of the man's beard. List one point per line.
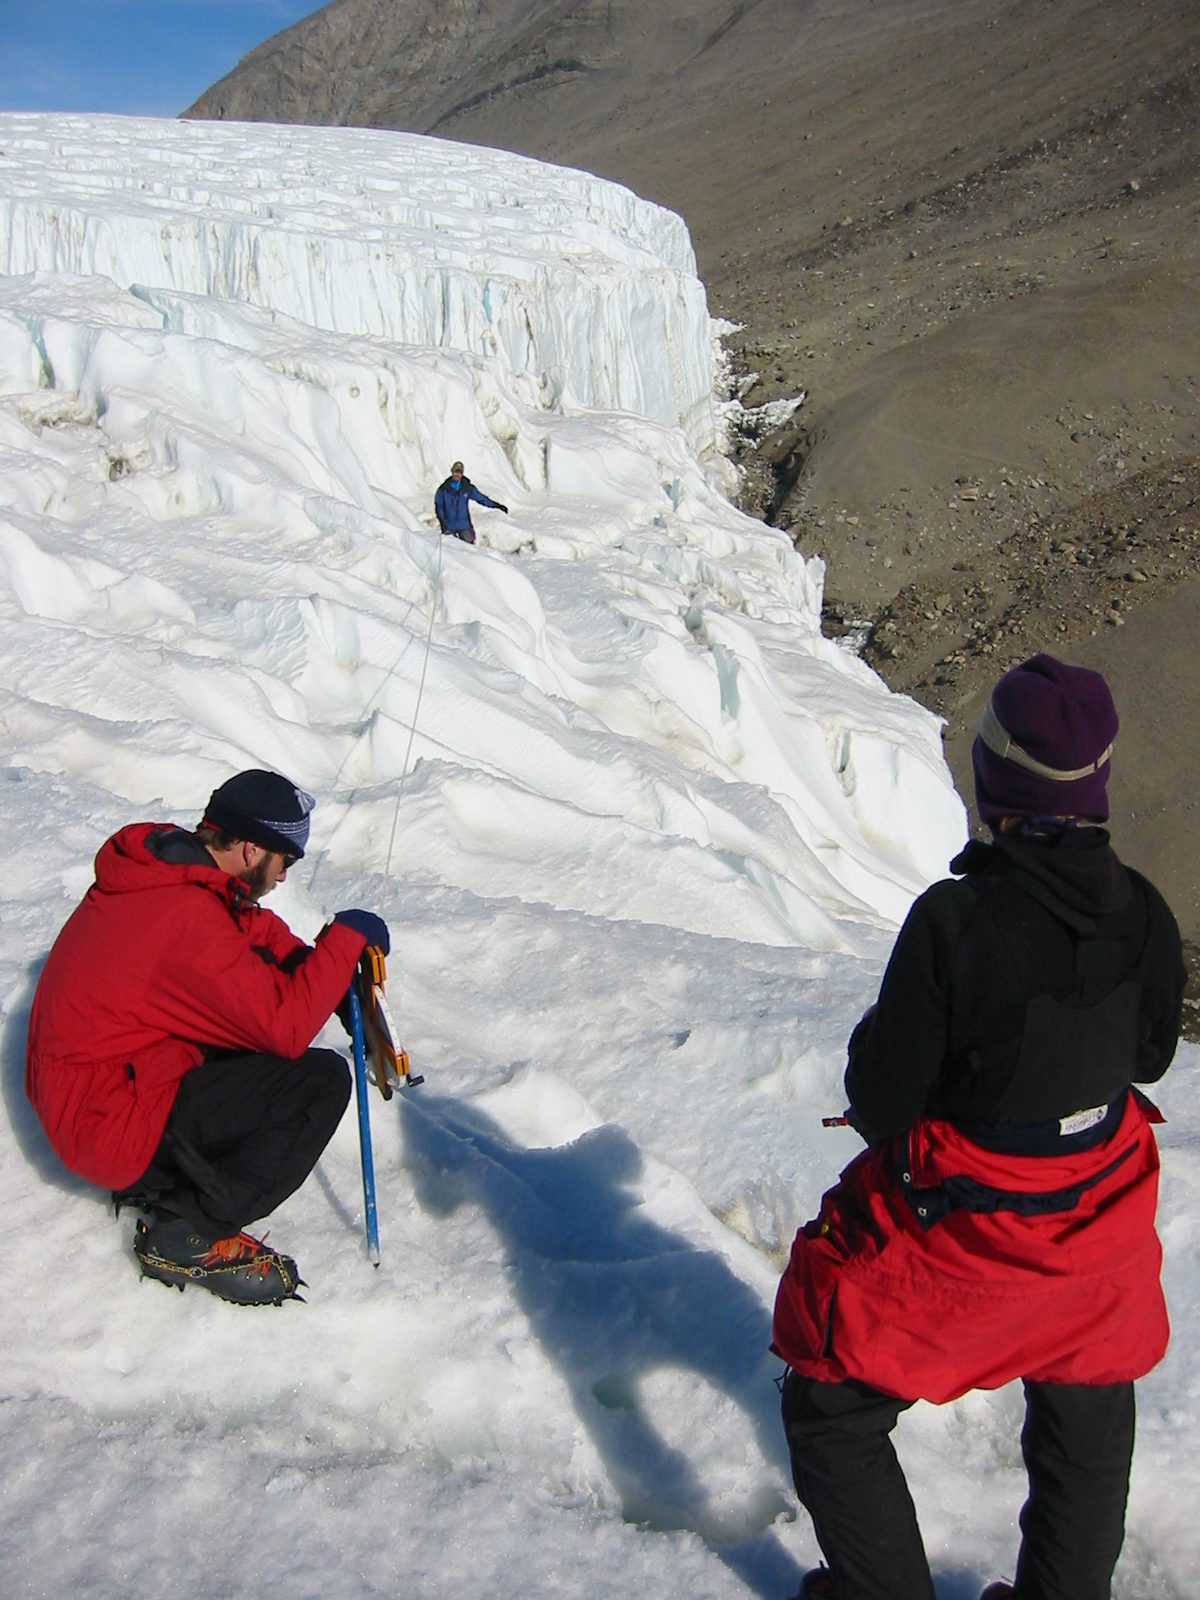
(255, 879)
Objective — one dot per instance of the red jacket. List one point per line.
(926, 1304)
(160, 961)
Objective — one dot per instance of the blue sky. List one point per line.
(146, 56)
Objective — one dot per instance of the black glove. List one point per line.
(373, 929)
(499, 507)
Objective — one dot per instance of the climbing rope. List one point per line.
(387, 871)
(379, 688)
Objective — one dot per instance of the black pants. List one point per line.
(243, 1134)
(1077, 1443)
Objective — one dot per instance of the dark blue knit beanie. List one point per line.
(264, 808)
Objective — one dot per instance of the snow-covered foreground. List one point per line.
(653, 838)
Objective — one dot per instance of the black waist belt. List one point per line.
(960, 1193)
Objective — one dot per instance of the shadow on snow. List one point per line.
(614, 1298)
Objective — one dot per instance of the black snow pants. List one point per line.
(1077, 1443)
(243, 1133)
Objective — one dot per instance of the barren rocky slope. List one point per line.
(968, 229)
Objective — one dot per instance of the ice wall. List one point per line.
(217, 550)
(570, 283)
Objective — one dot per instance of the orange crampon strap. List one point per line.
(243, 1250)
(387, 1060)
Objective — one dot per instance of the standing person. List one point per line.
(453, 504)
(1001, 1223)
(168, 1053)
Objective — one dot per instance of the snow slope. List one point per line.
(650, 842)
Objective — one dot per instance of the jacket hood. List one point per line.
(157, 855)
(1078, 870)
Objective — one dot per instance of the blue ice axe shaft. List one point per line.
(364, 1126)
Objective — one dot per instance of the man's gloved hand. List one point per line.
(373, 929)
(499, 507)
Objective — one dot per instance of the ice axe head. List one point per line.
(387, 1060)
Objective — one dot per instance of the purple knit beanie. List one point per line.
(1044, 743)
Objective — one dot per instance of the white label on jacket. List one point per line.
(1082, 1121)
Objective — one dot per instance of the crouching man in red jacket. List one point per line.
(1001, 1223)
(168, 1053)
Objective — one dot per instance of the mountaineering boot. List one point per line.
(818, 1585)
(240, 1268)
(997, 1591)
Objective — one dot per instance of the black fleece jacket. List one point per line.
(1028, 917)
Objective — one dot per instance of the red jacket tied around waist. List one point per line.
(929, 1309)
(160, 961)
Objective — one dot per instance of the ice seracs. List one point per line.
(571, 283)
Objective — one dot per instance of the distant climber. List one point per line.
(453, 504)
(1001, 1223)
(168, 1052)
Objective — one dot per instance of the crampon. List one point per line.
(239, 1268)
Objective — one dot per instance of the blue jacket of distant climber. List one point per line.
(453, 507)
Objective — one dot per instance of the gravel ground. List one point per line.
(1053, 581)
